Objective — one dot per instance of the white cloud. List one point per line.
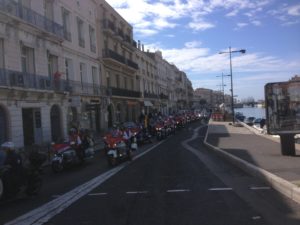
(192, 44)
(201, 25)
(294, 10)
(256, 22)
(145, 15)
(240, 25)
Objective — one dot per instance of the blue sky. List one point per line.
(191, 33)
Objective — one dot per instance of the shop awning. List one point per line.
(148, 103)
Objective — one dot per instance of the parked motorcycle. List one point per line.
(27, 180)
(118, 152)
(67, 155)
(160, 131)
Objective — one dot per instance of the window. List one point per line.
(81, 40)
(107, 79)
(82, 72)
(117, 81)
(132, 84)
(52, 65)
(27, 59)
(125, 82)
(92, 39)
(49, 9)
(94, 75)
(69, 69)
(66, 24)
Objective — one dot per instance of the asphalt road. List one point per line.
(177, 181)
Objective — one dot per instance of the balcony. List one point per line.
(163, 96)
(109, 26)
(124, 92)
(132, 64)
(10, 78)
(127, 39)
(121, 33)
(28, 15)
(108, 53)
(150, 95)
(84, 88)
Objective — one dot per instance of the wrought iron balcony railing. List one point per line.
(150, 95)
(163, 96)
(10, 78)
(132, 64)
(84, 88)
(30, 16)
(107, 24)
(124, 92)
(108, 53)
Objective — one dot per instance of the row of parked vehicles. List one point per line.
(122, 140)
(120, 143)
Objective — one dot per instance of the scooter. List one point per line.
(28, 180)
(69, 154)
(118, 151)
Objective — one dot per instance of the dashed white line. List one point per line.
(136, 192)
(178, 190)
(97, 194)
(220, 189)
(260, 188)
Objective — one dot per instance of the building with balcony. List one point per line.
(33, 95)
(81, 66)
(115, 39)
(50, 72)
(148, 77)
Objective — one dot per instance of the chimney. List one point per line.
(143, 47)
(139, 44)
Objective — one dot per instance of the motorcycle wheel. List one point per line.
(1, 188)
(57, 167)
(34, 186)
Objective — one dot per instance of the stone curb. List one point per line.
(285, 187)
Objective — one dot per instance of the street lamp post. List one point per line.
(223, 85)
(231, 80)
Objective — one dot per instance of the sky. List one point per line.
(192, 33)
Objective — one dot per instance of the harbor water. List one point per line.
(256, 112)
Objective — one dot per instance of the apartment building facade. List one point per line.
(70, 63)
(120, 66)
(50, 73)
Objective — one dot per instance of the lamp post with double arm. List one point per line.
(243, 51)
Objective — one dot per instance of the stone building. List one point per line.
(70, 63)
(115, 38)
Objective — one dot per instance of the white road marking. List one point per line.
(260, 188)
(97, 194)
(256, 217)
(178, 190)
(136, 192)
(45, 212)
(220, 189)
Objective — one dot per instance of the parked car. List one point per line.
(250, 121)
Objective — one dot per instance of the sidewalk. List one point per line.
(259, 155)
